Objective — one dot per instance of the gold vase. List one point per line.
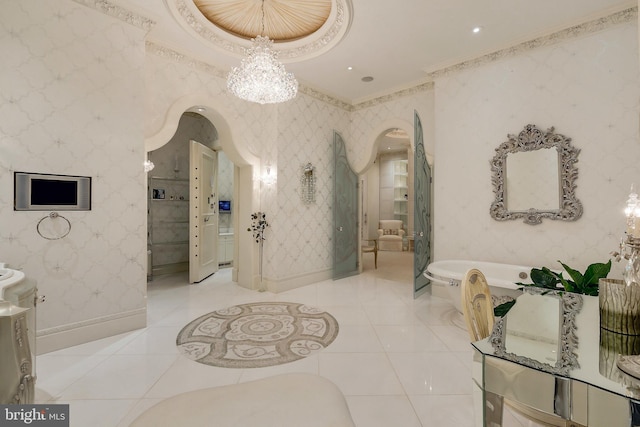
(619, 306)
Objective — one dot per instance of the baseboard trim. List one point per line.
(293, 282)
(57, 338)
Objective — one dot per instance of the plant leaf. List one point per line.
(577, 277)
(595, 272)
(502, 309)
(543, 278)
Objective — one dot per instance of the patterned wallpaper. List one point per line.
(587, 88)
(71, 103)
(301, 237)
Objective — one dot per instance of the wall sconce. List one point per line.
(269, 177)
(308, 184)
(148, 165)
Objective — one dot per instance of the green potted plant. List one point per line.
(580, 283)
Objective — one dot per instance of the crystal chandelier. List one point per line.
(261, 77)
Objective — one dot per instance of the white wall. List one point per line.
(81, 94)
(299, 246)
(587, 88)
(71, 103)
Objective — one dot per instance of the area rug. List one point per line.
(257, 335)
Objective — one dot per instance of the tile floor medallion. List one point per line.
(257, 335)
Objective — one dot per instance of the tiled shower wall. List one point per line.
(71, 103)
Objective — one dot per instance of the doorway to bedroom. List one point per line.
(387, 206)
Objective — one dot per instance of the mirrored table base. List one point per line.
(544, 397)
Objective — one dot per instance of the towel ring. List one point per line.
(53, 215)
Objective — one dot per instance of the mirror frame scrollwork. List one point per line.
(570, 305)
(529, 139)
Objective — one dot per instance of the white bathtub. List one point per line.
(501, 278)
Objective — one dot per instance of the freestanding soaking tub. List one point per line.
(501, 278)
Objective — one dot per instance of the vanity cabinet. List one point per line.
(225, 249)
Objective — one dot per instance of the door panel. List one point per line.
(203, 212)
(345, 213)
(422, 211)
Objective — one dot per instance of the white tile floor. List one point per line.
(399, 361)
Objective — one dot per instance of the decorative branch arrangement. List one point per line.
(258, 226)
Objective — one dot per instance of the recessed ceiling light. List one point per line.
(367, 79)
(476, 30)
(349, 68)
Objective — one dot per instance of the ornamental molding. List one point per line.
(393, 96)
(119, 12)
(180, 58)
(329, 35)
(573, 32)
(140, 21)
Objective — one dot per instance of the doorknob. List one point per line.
(421, 234)
(339, 228)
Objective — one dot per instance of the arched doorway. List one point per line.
(245, 267)
(387, 198)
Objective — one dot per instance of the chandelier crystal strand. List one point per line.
(261, 77)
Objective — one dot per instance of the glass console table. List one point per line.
(549, 355)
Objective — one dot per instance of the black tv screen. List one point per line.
(53, 192)
(43, 191)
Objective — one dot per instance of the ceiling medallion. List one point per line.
(280, 20)
(293, 44)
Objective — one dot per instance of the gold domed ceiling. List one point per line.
(301, 29)
(284, 20)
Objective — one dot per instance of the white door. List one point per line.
(203, 212)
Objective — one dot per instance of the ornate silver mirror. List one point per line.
(533, 176)
(550, 343)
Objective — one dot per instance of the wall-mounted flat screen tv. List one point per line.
(39, 192)
(224, 206)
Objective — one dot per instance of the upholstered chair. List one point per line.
(390, 234)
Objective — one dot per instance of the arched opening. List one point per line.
(242, 164)
(386, 199)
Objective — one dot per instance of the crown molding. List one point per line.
(572, 32)
(119, 12)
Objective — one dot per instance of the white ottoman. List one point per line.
(288, 400)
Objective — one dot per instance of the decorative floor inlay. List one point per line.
(257, 335)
